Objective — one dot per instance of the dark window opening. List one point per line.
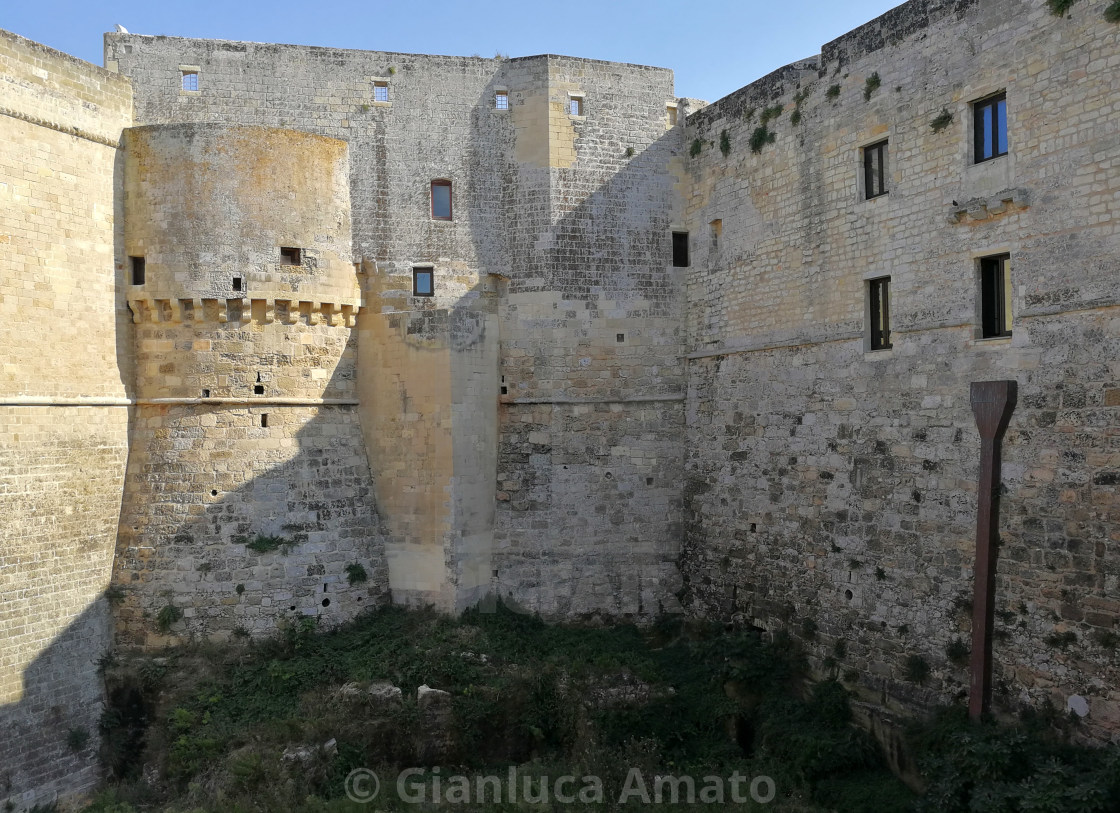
(620, 337)
(423, 282)
(880, 313)
(680, 249)
(989, 120)
(237, 283)
(206, 393)
(875, 170)
(258, 389)
(290, 256)
(441, 200)
(137, 270)
(264, 421)
(326, 602)
(995, 296)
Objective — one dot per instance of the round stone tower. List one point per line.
(248, 493)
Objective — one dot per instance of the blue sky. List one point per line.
(714, 48)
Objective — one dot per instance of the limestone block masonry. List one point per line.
(292, 331)
(248, 492)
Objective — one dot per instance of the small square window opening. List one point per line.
(875, 170)
(989, 121)
(680, 249)
(501, 100)
(237, 283)
(995, 296)
(575, 105)
(137, 264)
(381, 91)
(441, 200)
(290, 256)
(423, 281)
(258, 389)
(879, 313)
(190, 80)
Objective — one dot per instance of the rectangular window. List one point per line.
(190, 80)
(575, 105)
(671, 115)
(501, 100)
(289, 256)
(875, 170)
(680, 249)
(879, 313)
(441, 200)
(989, 121)
(137, 270)
(995, 296)
(381, 91)
(423, 281)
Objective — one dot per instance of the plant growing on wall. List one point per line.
(760, 138)
(1112, 13)
(724, 143)
(870, 86)
(694, 150)
(833, 92)
(1059, 7)
(167, 616)
(916, 669)
(957, 651)
(770, 113)
(629, 152)
(941, 120)
(748, 114)
(795, 117)
(356, 574)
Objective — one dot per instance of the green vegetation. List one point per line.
(680, 698)
(629, 152)
(694, 150)
(870, 85)
(264, 543)
(916, 669)
(167, 616)
(724, 143)
(941, 121)
(833, 92)
(77, 739)
(1060, 640)
(795, 117)
(356, 574)
(279, 724)
(761, 137)
(957, 651)
(1112, 13)
(770, 113)
(1059, 7)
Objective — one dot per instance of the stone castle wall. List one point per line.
(831, 489)
(63, 408)
(246, 425)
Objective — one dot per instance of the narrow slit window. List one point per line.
(501, 100)
(423, 281)
(680, 249)
(381, 91)
(290, 255)
(190, 80)
(441, 200)
(264, 420)
(989, 119)
(875, 170)
(575, 105)
(237, 283)
(880, 313)
(995, 296)
(137, 264)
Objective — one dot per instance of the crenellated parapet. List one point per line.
(148, 310)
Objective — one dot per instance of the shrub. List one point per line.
(167, 616)
(870, 86)
(760, 138)
(833, 92)
(356, 574)
(694, 150)
(724, 143)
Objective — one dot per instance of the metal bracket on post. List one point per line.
(992, 405)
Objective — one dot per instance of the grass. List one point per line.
(870, 85)
(680, 698)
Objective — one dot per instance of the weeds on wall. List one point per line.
(795, 117)
(832, 93)
(957, 651)
(916, 669)
(694, 150)
(1059, 7)
(770, 113)
(761, 136)
(167, 615)
(724, 143)
(1112, 12)
(870, 85)
(1060, 640)
(941, 120)
(629, 152)
(264, 543)
(356, 574)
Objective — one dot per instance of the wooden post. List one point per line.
(992, 404)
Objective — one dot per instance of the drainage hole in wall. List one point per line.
(649, 481)
(754, 528)
(848, 595)
(609, 476)
(326, 602)
(292, 608)
(213, 492)
(258, 389)
(206, 393)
